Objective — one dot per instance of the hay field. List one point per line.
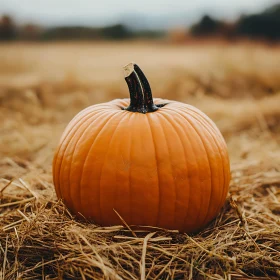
(42, 86)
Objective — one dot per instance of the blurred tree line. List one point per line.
(265, 25)
(7, 28)
(10, 31)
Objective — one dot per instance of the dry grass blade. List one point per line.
(143, 259)
(5, 187)
(125, 223)
(212, 253)
(16, 202)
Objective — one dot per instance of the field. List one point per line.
(42, 86)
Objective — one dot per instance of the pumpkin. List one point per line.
(152, 162)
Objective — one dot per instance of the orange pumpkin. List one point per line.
(155, 162)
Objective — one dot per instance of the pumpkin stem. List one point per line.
(135, 90)
(141, 99)
(147, 92)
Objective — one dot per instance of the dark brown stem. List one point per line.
(136, 94)
(141, 99)
(147, 92)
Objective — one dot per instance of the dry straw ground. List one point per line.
(43, 86)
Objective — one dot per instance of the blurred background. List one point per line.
(58, 57)
(110, 20)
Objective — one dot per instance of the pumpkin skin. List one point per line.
(168, 168)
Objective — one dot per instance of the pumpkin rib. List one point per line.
(81, 174)
(123, 184)
(102, 166)
(217, 132)
(62, 139)
(207, 183)
(175, 183)
(207, 154)
(79, 117)
(129, 173)
(222, 159)
(130, 187)
(56, 174)
(184, 152)
(67, 163)
(71, 150)
(193, 181)
(209, 167)
(171, 165)
(130, 169)
(143, 157)
(86, 128)
(158, 133)
(120, 120)
(62, 166)
(103, 162)
(225, 158)
(157, 161)
(190, 181)
(219, 180)
(213, 129)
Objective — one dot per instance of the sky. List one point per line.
(153, 13)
